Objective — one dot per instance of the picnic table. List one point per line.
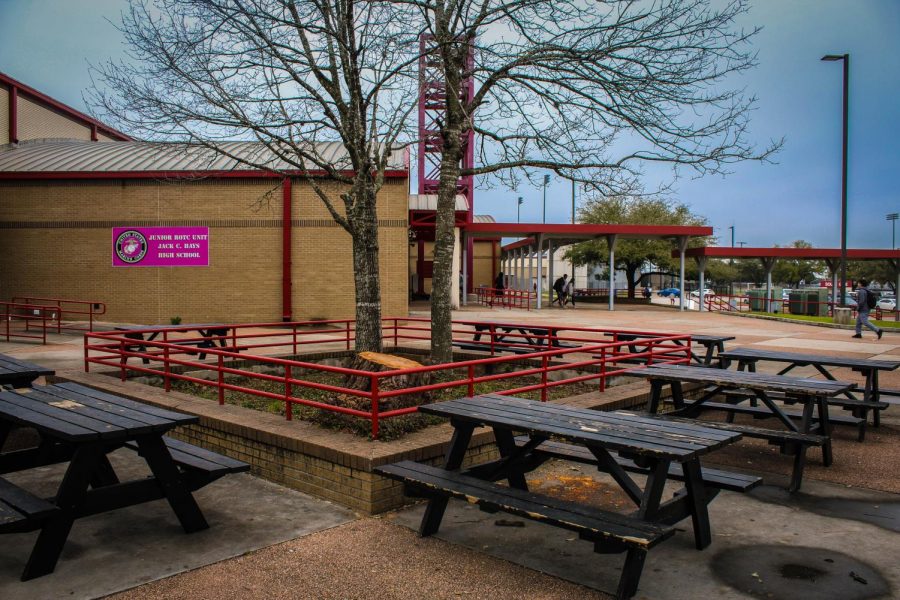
(82, 426)
(811, 393)
(210, 333)
(20, 373)
(748, 358)
(714, 345)
(658, 449)
(524, 338)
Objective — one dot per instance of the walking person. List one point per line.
(569, 291)
(559, 287)
(499, 286)
(865, 301)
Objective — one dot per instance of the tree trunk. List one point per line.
(365, 272)
(632, 279)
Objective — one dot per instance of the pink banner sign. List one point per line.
(160, 246)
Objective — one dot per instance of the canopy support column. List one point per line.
(530, 267)
(611, 243)
(768, 265)
(520, 273)
(540, 270)
(682, 247)
(701, 266)
(550, 277)
(464, 284)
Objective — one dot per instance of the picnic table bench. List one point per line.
(868, 367)
(81, 426)
(714, 345)
(651, 445)
(20, 373)
(210, 333)
(525, 338)
(811, 393)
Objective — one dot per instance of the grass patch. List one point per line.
(817, 319)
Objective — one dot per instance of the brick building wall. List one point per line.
(56, 240)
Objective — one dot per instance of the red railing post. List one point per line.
(347, 330)
(221, 380)
(87, 368)
(167, 367)
(124, 359)
(288, 390)
(471, 382)
(544, 363)
(493, 331)
(650, 347)
(603, 369)
(294, 338)
(58, 317)
(375, 402)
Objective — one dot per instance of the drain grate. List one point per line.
(778, 572)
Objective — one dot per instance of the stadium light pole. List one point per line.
(519, 210)
(892, 217)
(546, 181)
(731, 227)
(846, 59)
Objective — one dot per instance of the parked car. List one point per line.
(666, 292)
(887, 304)
(706, 293)
(850, 301)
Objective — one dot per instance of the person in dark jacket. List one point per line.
(862, 310)
(500, 283)
(559, 287)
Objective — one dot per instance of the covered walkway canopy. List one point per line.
(769, 256)
(537, 237)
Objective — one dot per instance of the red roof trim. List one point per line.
(586, 230)
(67, 110)
(802, 253)
(237, 173)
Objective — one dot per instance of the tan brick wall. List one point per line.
(37, 121)
(482, 270)
(4, 115)
(56, 240)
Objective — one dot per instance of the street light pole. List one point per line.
(846, 59)
(731, 227)
(519, 210)
(892, 217)
(546, 181)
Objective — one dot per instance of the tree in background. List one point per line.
(631, 255)
(323, 87)
(589, 90)
(793, 271)
(880, 271)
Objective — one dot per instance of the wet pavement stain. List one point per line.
(882, 514)
(777, 572)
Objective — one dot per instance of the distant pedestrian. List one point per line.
(569, 292)
(500, 283)
(865, 301)
(559, 287)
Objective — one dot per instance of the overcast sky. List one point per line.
(48, 44)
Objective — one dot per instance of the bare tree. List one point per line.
(590, 89)
(322, 86)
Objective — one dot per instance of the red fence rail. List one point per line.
(726, 303)
(505, 298)
(29, 321)
(591, 357)
(67, 312)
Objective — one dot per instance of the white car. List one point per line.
(706, 293)
(887, 304)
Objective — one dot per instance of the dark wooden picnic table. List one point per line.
(651, 445)
(868, 367)
(515, 338)
(82, 425)
(813, 394)
(714, 344)
(20, 373)
(210, 333)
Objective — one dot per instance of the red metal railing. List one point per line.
(545, 357)
(505, 298)
(68, 311)
(19, 318)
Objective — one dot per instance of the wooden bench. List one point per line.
(712, 478)
(608, 531)
(20, 510)
(200, 466)
(486, 347)
(860, 407)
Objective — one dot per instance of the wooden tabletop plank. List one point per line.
(589, 427)
(147, 409)
(808, 359)
(695, 337)
(84, 414)
(135, 418)
(63, 410)
(58, 427)
(744, 379)
(13, 368)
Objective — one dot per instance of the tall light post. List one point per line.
(892, 217)
(731, 227)
(846, 59)
(546, 181)
(519, 210)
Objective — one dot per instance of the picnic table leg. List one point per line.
(155, 452)
(876, 397)
(434, 512)
(825, 429)
(655, 395)
(104, 474)
(693, 483)
(69, 497)
(507, 444)
(677, 395)
(631, 574)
